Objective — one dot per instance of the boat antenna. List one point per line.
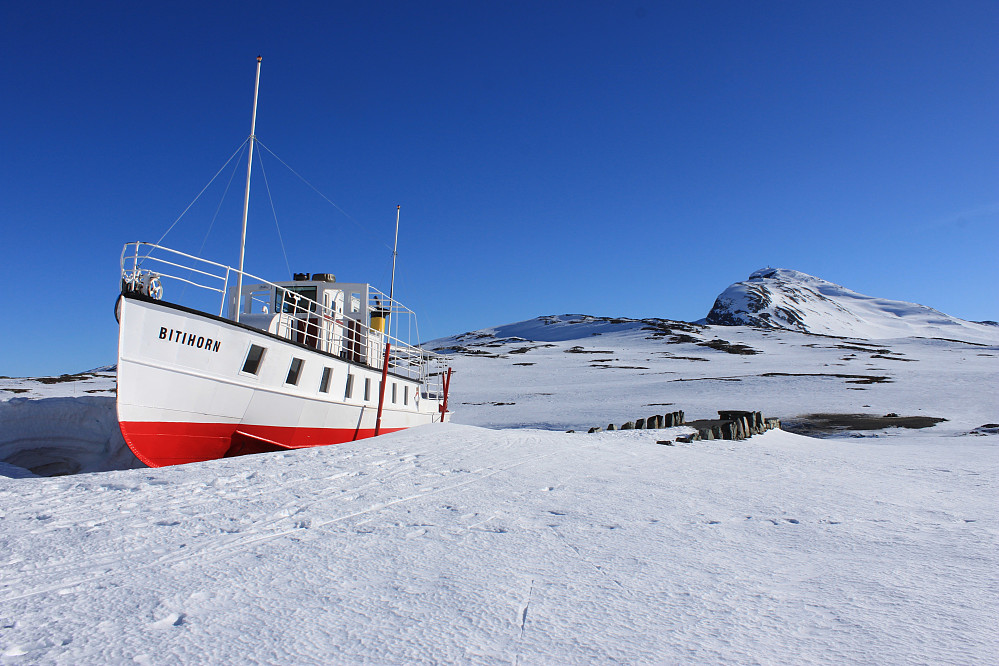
(395, 251)
(246, 199)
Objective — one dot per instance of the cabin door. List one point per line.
(333, 321)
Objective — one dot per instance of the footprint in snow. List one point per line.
(34, 646)
(171, 620)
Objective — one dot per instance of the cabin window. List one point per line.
(367, 388)
(324, 383)
(253, 358)
(393, 393)
(291, 300)
(405, 395)
(349, 392)
(294, 372)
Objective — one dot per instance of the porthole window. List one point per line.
(324, 383)
(253, 358)
(294, 372)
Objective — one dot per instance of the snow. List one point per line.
(461, 544)
(521, 543)
(783, 298)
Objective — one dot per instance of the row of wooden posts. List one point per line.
(730, 424)
(654, 422)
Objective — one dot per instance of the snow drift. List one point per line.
(782, 298)
(62, 435)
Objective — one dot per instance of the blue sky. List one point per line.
(610, 158)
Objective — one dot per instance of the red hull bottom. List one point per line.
(158, 444)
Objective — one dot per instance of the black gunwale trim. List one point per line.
(135, 296)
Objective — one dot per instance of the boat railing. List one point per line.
(154, 270)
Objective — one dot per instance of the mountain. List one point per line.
(792, 300)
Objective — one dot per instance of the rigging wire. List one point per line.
(238, 150)
(216, 215)
(219, 207)
(274, 212)
(316, 190)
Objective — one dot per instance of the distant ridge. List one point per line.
(787, 299)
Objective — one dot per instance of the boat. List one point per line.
(214, 362)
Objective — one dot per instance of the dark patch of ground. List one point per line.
(579, 350)
(80, 376)
(987, 429)
(851, 379)
(471, 352)
(729, 347)
(709, 379)
(828, 425)
(865, 348)
(524, 350)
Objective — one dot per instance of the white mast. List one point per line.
(246, 199)
(395, 248)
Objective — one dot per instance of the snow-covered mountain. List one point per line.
(782, 298)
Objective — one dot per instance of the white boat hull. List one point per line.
(183, 397)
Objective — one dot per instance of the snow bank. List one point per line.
(50, 436)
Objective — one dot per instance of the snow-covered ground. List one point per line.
(519, 543)
(577, 371)
(460, 544)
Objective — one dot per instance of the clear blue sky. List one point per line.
(610, 158)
